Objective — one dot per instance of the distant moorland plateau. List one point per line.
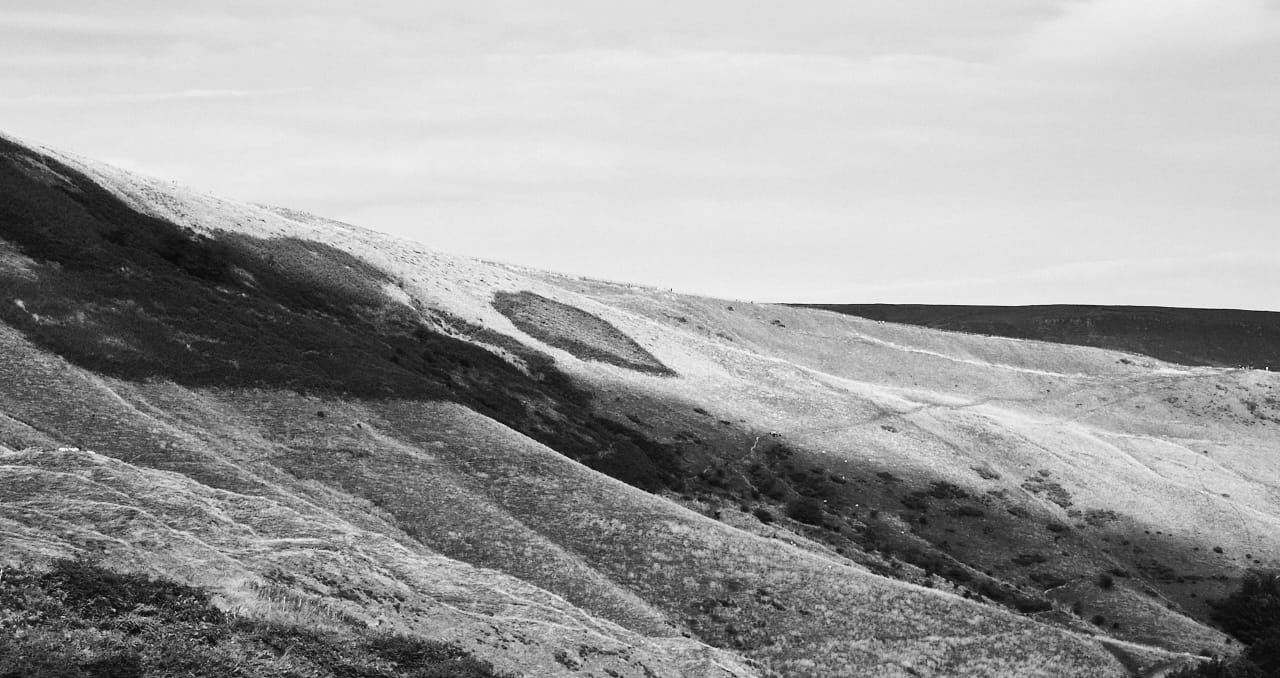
(1188, 336)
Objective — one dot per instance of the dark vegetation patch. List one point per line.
(572, 329)
(1027, 559)
(1040, 485)
(986, 472)
(1048, 580)
(806, 510)
(1252, 615)
(840, 510)
(1190, 336)
(138, 298)
(80, 620)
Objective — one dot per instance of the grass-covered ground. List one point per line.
(78, 619)
(345, 371)
(133, 296)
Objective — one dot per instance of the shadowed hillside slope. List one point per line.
(1188, 336)
(563, 476)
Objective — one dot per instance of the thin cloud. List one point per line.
(1140, 30)
(148, 98)
(1192, 280)
(66, 22)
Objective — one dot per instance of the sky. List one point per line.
(898, 151)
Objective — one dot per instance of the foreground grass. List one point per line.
(81, 620)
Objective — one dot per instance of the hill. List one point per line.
(1187, 336)
(324, 426)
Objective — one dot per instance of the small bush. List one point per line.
(806, 510)
(1048, 580)
(1218, 667)
(1025, 559)
(916, 502)
(1252, 613)
(763, 515)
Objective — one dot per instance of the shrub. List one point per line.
(1252, 613)
(763, 515)
(1218, 667)
(806, 510)
(1025, 559)
(916, 502)
(1048, 580)
(1105, 581)
(945, 490)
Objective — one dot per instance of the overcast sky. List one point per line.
(932, 151)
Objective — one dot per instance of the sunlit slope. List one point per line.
(1118, 431)
(438, 478)
(269, 561)
(1168, 473)
(278, 544)
(438, 403)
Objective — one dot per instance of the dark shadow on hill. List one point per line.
(1187, 336)
(135, 297)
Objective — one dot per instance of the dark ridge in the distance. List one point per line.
(1187, 336)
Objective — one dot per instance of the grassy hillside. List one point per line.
(568, 477)
(80, 619)
(1188, 336)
